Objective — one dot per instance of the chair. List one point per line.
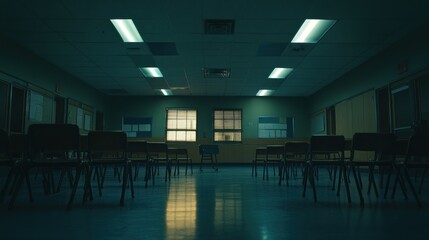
(108, 148)
(209, 152)
(179, 155)
(417, 157)
(372, 150)
(260, 153)
(295, 154)
(273, 155)
(331, 148)
(158, 152)
(50, 148)
(18, 152)
(5, 161)
(137, 154)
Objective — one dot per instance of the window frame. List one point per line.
(181, 129)
(228, 130)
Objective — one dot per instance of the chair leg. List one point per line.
(311, 173)
(76, 182)
(130, 173)
(6, 185)
(413, 190)
(422, 180)
(280, 172)
(362, 201)
(16, 190)
(124, 186)
(346, 182)
(30, 193)
(305, 179)
(389, 175)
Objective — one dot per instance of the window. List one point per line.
(227, 125)
(137, 126)
(181, 125)
(275, 127)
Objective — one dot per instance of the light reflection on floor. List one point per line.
(229, 204)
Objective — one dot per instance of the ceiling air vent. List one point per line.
(219, 26)
(217, 73)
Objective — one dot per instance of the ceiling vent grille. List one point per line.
(217, 73)
(219, 26)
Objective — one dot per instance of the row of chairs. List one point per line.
(375, 152)
(53, 148)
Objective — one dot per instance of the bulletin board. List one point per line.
(137, 126)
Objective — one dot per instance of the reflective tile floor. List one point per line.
(229, 204)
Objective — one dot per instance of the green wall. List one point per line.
(252, 107)
(21, 66)
(379, 71)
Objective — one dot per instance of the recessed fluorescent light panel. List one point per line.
(151, 72)
(166, 92)
(280, 72)
(312, 30)
(127, 30)
(264, 92)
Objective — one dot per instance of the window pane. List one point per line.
(191, 124)
(192, 114)
(172, 114)
(237, 124)
(191, 136)
(219, 136)
(181, 114)
(229, 136)
(237, 114)
(171, 124)
(181, 124)
(228, 115)
(218, 114)
(237, 136)
(171, 135)
(218, 124)
(181, 135)
(228, 124)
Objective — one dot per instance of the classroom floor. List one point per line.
(228, 204)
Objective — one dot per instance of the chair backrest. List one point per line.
(418, 146)
(381, 145)
(275, 150)
(157, 150)
(107, 141)
(4, 146)
(260, 152)
(84, 143)
(181, 151)
(380, 142)
(137, 146)
(53, 138)
(401, 146)
(327, 144)
(208, 149)
(329, 147)
(296, 148)
(18, 143)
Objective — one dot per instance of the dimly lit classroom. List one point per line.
(214, 119)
